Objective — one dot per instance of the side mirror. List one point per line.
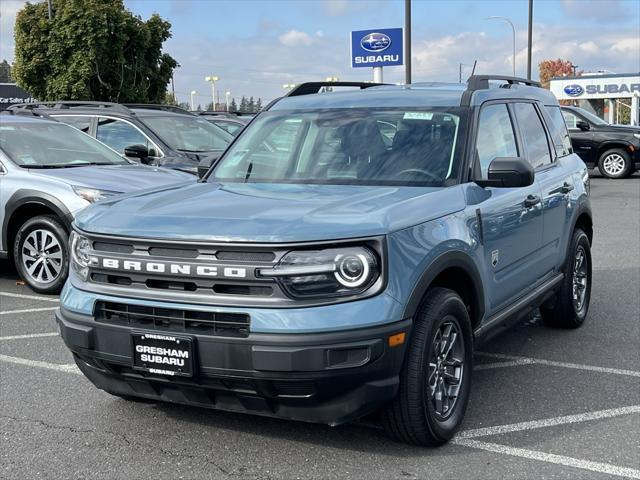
(582, 125)
(204, 165)
(136, 151)
(508, 172)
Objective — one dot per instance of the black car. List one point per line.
(230, 122)
(614, 149)
(160, 135)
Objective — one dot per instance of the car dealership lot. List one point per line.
(545, 403)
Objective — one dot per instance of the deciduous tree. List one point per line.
(555, 68)
(91, 50)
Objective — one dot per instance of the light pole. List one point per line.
(213, 79)
(193, 92)
(226, 97)
(513, 30)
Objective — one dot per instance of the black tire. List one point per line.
(567, 311)
(412, 416)
(55, 259)
(615, 163)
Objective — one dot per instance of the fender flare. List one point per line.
(27, 196)
(450, 259)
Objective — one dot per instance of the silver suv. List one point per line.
(50, 171)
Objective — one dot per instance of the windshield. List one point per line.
(187, 133)
(53, 145)
(591, 117)
(347, 146)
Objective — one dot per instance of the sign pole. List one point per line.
(377, 74)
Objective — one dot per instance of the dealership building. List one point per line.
(615, 97)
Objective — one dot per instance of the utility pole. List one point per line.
(49, 9)
(460, 73)
(529, 39)
(407, 42)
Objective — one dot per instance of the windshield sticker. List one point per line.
(417, 116)
(27, 160)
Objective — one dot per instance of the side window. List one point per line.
(534, 137)
(558, 129)
(119, 135)
(81, 123)
(570, 119)
(495, 136)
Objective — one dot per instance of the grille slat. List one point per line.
(176, 320)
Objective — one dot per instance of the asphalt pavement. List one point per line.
(545, 403)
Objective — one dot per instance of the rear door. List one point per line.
(511, 217)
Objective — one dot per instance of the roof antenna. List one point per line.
(475, 62)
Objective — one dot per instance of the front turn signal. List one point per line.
(397, 339)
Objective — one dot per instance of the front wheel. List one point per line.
(436, 377)
(41, 254)
(572, 300)
(615, 163)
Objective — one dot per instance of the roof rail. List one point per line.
(156, 106)
(24, 111)
(481, 82)
(309, 88)
(64, 104)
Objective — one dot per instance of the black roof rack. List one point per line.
(309, 88)
(64, 104)
(481, 82)
(156, 106)
(26, 111)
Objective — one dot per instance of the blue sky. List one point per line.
(256, 46)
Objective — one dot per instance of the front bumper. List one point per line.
(329, 377)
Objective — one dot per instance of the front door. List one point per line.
(511, 217)
(582, 140)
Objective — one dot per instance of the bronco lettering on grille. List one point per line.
(184, 269)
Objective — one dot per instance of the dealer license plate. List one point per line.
(163, 354)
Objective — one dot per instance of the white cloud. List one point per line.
(295, 38)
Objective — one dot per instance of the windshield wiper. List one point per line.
(68, 165)
(194, 151)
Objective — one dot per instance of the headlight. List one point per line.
(81, 258)
(637, 135)
(332, 272)
(92, 194)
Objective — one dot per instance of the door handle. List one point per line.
(566, 188)
(532, 201)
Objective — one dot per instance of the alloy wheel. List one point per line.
(42, 256)
(580, 279)
(614, 164)
(446, 368)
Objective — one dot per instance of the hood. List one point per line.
(117, 178)
(239, 212)
(619, 128)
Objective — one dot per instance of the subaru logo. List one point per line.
(573, 90)
(375, 42)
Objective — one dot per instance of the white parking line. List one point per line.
(32, 335)
(28, 310)
(67, 368)
(512, 363)
(550, 458)
(552, 363)
(549, 422)
(31, 297)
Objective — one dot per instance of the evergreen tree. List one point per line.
(199, 108)
(233, 107)
(259, 104)
(243, 105)
(251, 105)
(5, 72)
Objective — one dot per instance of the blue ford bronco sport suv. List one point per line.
(344, 255)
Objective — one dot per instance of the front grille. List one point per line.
(173, 320)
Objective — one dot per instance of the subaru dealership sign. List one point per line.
(376, 48)
(592, 87)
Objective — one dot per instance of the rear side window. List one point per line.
(570, 119)
(558, 130)
(533, 135)
(80, 122)
(495, 136)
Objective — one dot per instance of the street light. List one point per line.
(513, 29)
(213, 79)
(193, 92)
(226, 96)
(288, 86)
